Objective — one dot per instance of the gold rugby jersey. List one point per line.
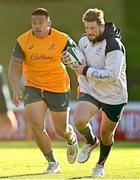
(42, 66)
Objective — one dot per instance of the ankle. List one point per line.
(72, 140)
(99, 165)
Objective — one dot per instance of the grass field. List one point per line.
(23, 160)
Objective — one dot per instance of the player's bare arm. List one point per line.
(14, 72)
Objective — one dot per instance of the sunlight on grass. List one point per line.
(24, 160)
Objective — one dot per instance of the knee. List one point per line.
(37, 127)
(106, 138)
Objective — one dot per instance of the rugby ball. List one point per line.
(76, 55)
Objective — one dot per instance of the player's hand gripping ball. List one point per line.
(76, 56)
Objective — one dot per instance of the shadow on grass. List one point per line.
(21, 175)
(83, 177)
(38, 174)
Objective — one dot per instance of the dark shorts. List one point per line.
(58, 102)
(113, 112)
(3, 105)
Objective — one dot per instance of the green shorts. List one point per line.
(113, 112)
(58, 102)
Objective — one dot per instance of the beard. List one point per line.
(94, 39)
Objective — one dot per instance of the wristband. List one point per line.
(85, 70)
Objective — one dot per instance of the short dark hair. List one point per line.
(40, 11)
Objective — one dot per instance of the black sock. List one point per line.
(50, 157)
(88, 134)
(104, 152)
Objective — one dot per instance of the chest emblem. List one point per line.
(52, 47)
(31, 46)
(85, 46)
(98, 51)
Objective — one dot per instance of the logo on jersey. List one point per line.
(85, 46)
(52, 47)
(44, 56)
(98, 51)
(31, 47)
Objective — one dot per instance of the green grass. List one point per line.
(23, 160)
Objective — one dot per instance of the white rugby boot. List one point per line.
(98, 171)
(86, 151)
(53, 168)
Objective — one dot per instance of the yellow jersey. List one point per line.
(42, 65)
